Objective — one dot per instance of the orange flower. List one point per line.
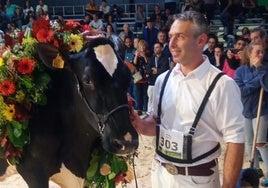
(45, 35)
(25, 66)
(40, 23)
(7, 88)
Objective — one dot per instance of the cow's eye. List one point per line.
(89, 84)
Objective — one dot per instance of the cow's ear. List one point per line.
(51, 56)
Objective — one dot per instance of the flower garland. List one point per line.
(23, 80)
(107, 170)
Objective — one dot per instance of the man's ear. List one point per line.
(202, 39)
(51, 56)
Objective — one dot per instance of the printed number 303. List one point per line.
(168, 144)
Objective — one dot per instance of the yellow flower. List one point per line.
(30, 40)
(1, 61)
(20, 96)
(76, 43)
(9, 112)
(58, 62)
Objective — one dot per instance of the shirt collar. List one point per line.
(199, 72)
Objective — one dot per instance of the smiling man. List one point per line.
(187, 154)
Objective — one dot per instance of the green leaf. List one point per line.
(111, 175)
(93, 167)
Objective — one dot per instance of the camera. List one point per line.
(235, 51)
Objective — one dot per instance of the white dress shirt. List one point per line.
(222, 118)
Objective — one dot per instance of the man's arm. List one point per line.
(233, 162)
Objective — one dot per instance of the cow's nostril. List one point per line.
(119, 144)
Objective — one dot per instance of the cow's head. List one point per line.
(102, 82)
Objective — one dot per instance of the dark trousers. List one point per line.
(141, 96)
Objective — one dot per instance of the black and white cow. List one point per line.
(87, 98)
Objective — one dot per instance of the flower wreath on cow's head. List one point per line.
(23, 80)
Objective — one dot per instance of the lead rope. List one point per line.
(134, 171)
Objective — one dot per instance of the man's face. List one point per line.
(255, 37)
(157, 49)
(211, 43)
(182, 43)
(161, 38)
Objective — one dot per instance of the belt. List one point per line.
(199, 170)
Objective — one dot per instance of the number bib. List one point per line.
(170, 143)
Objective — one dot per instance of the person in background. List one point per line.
(150, 33)
(10, 10)
(17, 18)
(258, 34)
(27, 10)
(139, 19)
(198, 6)
(92, 8)
(112, 23)
(140, 61)
(127, 31)
(96, 23)
(186, 4)
(157, 64)
(116, 12)
(171, 5)
(109, 30)
(249, 78)
(233, 57)
(129, 56)
(163, 39)
(246, 33)
(86, 20)
(43, 6)
(219, 56)
(105, 9)
(221, 120)
(212, 42)
(157, 11)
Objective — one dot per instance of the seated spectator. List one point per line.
(27, 9)
(30, 23)
(171, 5)
(150, 34)
(116, 12)
(112, 23)
(109, 30)
(92, 8)
(166, 14)
(104, 9)
(246, 33)
(212, 42)
(96, 23)
(43, 6)
(10, 10)
(158, 23)
(157, 11)
(233, 57)
(86, 20)
(17, 19)
(139, 19)
(219, 56)
(127, 31)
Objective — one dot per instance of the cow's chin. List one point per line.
(121, 148)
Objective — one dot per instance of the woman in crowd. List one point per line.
(249, 78)
(140, 61)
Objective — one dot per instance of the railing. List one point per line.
(78, 11)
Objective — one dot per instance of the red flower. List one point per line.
(45, 35)
(25, 66)
(7, 88)
(40, 23)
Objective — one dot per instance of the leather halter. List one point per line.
(101, 119)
